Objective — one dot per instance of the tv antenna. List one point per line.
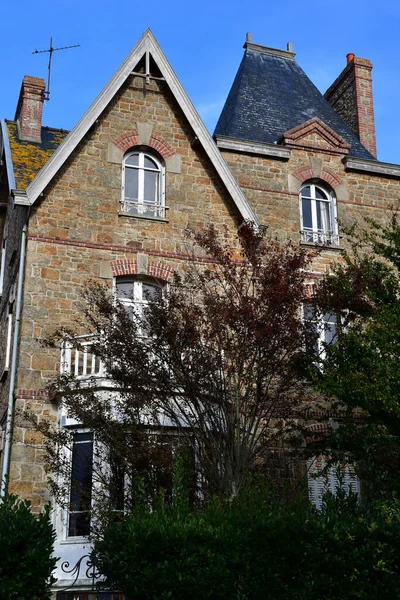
(50, 50)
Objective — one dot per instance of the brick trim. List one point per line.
(307, 172)
(319, 431)
(161, 271)
(127, 140)
(31, 394)
(125, 266)
(117, 248)
(130, 139)
(295, 137)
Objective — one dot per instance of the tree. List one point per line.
(26, 546)
(362, 370)
(213, 365)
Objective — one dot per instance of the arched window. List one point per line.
(136, 293)
(318, 215)
(143, 185)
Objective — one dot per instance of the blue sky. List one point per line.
(203, 42)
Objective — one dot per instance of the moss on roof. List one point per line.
(29, 157)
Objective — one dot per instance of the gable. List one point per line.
(142, 60)
(315, 135)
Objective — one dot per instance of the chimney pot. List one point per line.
(349, 57)
(29, 109)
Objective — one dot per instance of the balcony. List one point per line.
(78, 360)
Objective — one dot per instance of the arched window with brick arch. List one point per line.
(135, 293)
(143, 184)
(318, 216)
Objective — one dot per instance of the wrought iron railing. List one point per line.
(323, 238)
(143, 209)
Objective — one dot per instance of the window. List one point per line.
(318, 216)
(323, 329)
(135, 294)
(80, 498)
(143, 185)
(324, 477)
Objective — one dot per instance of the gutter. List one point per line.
(13, 368)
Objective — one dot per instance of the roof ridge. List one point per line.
(287, 54)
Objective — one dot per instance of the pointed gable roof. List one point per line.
(271, 94)
(146, 46)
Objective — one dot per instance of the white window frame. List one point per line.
(68, 511)
(314, 235)
(137, 299)
(139, 206)
(321, 325)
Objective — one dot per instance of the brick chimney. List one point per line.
(351, 96)
(29, 109)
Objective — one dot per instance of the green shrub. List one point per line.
(26, 545)
(257, 547)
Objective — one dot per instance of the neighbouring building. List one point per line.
(112, 199)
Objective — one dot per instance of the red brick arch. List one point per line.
(307, 172)
(124, 266)
(131, 139)
(127, 266)
(161, 271)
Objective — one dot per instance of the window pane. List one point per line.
(307, 218)
(124, 289)
(323, 216)
(131, 183)
(306, 192)
(309, 312)
(150, 186)
(330, 333)
(150, 291)
(320, 194)
(81, 485)
(150, 164)
(132, 160)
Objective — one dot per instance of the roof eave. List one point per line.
(7, 155)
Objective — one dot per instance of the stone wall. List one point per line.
(77, 233)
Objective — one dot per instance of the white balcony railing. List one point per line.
(76, 358)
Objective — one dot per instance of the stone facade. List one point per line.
(77, 231)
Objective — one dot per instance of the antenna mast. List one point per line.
(50, 50)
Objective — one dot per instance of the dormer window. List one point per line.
(143, 185)
(318, 216)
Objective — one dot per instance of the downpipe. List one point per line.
(13, 369)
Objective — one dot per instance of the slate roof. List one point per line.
(270, 95)
(29, 157)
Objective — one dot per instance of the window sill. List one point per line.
(74, 540)
(323, 246)
(143, 217)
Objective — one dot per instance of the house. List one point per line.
(112, 198)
